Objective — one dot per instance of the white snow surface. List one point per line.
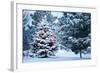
(61, 55)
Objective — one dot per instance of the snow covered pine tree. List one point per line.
(44, 43)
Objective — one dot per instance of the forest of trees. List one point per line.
(45, 32)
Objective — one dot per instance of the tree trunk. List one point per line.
(46, 54)
(80, 54)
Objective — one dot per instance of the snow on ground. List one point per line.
(61, 55)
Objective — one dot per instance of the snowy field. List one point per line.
(61, 55)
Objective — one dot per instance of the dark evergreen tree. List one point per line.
(75, 28)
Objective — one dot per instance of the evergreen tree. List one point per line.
(44, 43)
(75, 28)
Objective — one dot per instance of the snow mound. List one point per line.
(61, 53)
(64, 53)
